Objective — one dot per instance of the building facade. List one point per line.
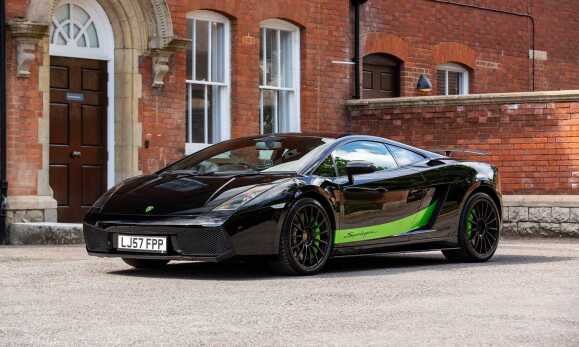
(101, 90)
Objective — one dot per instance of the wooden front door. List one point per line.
(381, 77)
(78, 134)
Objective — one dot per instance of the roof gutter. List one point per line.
(3, 180)
(510, 13)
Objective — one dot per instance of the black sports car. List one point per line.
(299, 200)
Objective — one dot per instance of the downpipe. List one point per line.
(357, 4)
(3, 180)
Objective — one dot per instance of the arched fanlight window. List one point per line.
(73, 26)
(81, 29)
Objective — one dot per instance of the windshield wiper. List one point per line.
(212, 173)
(181, 172)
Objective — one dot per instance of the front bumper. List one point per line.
(183, 242)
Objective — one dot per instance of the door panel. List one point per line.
(78, 153)
(381, 76)
(378, 206)
(59, 124)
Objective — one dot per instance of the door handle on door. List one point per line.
(75, 154)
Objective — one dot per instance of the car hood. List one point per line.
(181, 194)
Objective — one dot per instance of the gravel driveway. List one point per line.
(528, 295)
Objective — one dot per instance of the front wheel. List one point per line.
(145, 263)
(306, 239)
(478, 232)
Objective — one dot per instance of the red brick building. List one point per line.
(100, 90)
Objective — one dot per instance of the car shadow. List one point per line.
(352, 266)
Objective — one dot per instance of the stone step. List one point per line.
(45, 234)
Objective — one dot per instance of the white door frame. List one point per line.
(106, 52)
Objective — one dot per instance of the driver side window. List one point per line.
(373, 152)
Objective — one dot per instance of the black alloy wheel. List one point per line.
(306, 239)
(479, 230)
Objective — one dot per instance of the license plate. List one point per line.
(152, 244)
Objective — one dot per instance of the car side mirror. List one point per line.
(359, 167)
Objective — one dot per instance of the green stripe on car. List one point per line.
(398, 227)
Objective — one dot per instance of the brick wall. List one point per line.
(494, 46)
(325, 37)
(24, 106)
(532, 137)
(420, 32)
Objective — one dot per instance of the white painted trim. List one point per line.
(279, 24)
(208, 16)
(295, 97)
(191, 148)
(464, 87)
(225, 117)
(106, 51)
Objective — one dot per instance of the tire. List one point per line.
(478, 232)
(306, 240)
(145, 263)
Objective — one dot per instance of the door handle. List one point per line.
(75, 154)
(381, 190)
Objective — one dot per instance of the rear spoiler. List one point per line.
(448, 151)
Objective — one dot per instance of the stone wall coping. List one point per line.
(30, 202)
(45, 234)
(462, 100)
(541, 200)
(50, 225)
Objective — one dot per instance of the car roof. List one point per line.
(345, 138)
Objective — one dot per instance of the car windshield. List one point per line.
(254, 155)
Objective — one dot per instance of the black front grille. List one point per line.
(95, 238)
(189, 241)
(204, 241)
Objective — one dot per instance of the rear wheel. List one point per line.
(145, 263)
(306, 239)
(479, 230)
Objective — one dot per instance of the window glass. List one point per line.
(206, 83)
(270, 154)
(286, 59)
(269, 110)
(217, 49)
(373, 152)
(452, 79)
(405, 157)
(73, 26)
(278, 87)
(454, 83)
(326, 168)
(201, 50)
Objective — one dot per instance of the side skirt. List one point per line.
(399, 244)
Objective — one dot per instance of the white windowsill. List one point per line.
(191, 148)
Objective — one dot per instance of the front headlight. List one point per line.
(241, 199)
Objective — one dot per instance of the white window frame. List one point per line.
(463, 88)
(294, 121)
(225, 90)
